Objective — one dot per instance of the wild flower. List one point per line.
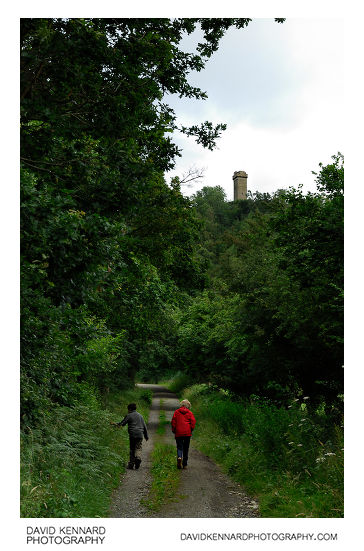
(330, 453)
(299, 445)
(306, 398)
(290, 443)
(320, 460)
(290, 425)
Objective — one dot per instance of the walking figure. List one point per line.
(183, 422)
(136, 429)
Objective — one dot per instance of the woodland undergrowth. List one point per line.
(289, 458)
(72, 461)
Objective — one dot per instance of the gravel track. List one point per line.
(204, 491)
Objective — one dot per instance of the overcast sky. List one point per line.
(279, 89)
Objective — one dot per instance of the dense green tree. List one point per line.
(271, 322)
(107, 245)
(310, 238)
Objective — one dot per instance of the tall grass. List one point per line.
(290, 459)
(73, 459)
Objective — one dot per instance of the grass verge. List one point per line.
(72, 461)
(165, 477)
(161, 429)
(290, 460)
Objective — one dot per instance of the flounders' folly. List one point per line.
(240, 179)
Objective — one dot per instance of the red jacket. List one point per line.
(183, 422)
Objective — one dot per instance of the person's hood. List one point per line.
(183, 410)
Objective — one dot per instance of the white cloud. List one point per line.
(280, 90)
(272, 158)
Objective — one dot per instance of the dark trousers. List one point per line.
(135, 450)
(183, 444)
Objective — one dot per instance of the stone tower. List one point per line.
(240, 185)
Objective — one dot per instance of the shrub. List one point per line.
(177, 383)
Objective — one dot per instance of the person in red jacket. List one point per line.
(183, 422)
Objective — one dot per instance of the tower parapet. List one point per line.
(240, 179)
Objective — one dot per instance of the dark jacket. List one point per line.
(136, 425)
(183, 422)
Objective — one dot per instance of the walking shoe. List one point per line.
(130, 466)
(179, 463)
(137, 463)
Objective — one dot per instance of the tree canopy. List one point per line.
(270, 321)
(107, 246)
(121, 274)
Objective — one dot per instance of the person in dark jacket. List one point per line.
(136, 429)
(183, 422)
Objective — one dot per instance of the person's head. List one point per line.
(186, 404)
(131, 407)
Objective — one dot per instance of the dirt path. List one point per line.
(204, 491)
(134, 485)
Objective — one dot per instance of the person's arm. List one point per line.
(145, 431)
(122, 423)
(174, 422)
(192, 421)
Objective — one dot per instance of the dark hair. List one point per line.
(132, 407)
